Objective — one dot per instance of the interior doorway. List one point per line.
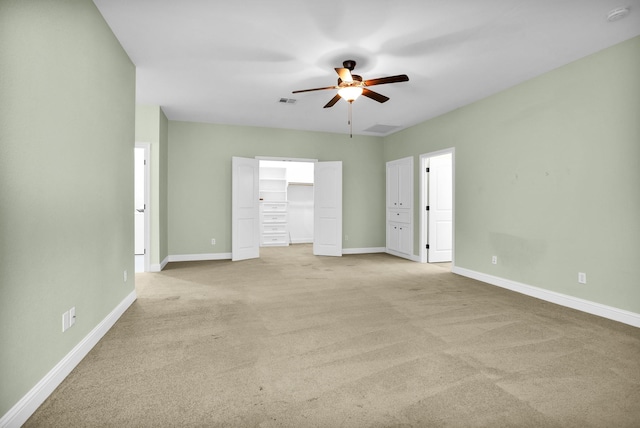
(250, 215)
(437, 222)
(141, 207)
(287, 185)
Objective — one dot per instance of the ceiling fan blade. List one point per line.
(390, 79)
(374, 95)
(344, 74)
(315, 89)
(333, 101)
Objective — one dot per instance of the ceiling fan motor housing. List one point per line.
(357, 81)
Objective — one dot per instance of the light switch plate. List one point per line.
(65, 321)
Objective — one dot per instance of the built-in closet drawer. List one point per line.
(275, 239)
(274, 217)
(274, 228)
(400, 216)
(274, 207)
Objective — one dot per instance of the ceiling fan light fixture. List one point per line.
(350, 93)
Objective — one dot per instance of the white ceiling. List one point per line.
(230, 62)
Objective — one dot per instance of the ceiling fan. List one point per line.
(351, 86)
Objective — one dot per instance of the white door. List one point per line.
(245, 209)
(139, 200)
(327, 235)
(405, 183)
(392, 185)
(440, 235)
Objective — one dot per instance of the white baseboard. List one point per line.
(609, 312)
(369, 250)
(302, 241)
(198, 257)
(402, 255)
(28, 404)
(159, 267)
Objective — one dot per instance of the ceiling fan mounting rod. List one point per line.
(349, 64)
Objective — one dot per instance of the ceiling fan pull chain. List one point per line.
(350, 121)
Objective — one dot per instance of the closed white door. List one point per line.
(392, 185)
(245, 209)
(405, 183)
(327, 236)
(440, 235)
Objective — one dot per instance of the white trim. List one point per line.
(272, 158)
(198, 257)
(369, 250)
(609, 312)
(302, 241)
(28, 404)
(411, 257)
(159, 267)
(147, 204)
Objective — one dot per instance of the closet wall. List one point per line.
(300, 196)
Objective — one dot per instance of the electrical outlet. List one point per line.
(124, 276)
(213, 241)
(582, 278)
(346, 237)
(72, 316)
(494, 260)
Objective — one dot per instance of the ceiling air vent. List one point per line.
(617, 14)
(288, 100)
(381, 129)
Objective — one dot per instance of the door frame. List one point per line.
(424, 198)
(147, 203)
(285, 159)
(315, 161)
(292, 160)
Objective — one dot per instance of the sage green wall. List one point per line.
(152, 127)
(147, 123)
(200, 180)
(66, 183)
(547, 177)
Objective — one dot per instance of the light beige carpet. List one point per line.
(293, 340)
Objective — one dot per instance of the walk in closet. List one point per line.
(286, 202)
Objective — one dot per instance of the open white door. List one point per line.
(245, 209)
(327, 218)
(142, 190)
(440, 209)
(139, 170)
